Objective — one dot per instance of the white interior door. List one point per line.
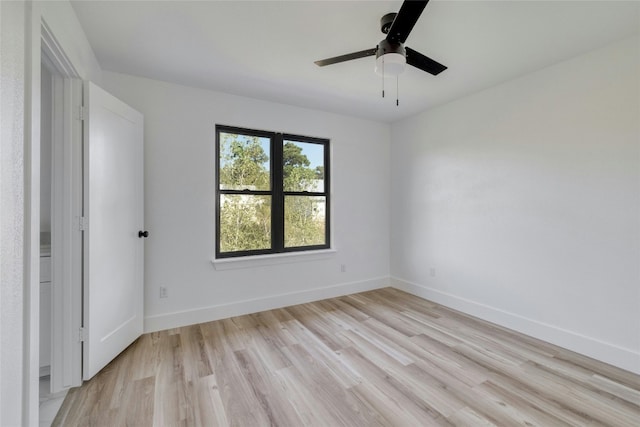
(113, 211)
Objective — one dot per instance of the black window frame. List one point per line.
(276, 191)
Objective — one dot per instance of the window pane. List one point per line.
(303, 166)
(304, 220)
(245, 222)
(244, 162)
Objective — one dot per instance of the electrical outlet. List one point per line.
(432, 272)
(163, 292)
(343, 268)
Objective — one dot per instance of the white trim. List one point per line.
(606, 352)
(56, 55)
(238, 308)
(271, 259)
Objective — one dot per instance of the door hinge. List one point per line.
(83, 223)
(81, 115)
(81, 335)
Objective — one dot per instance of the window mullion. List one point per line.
(327, 191)
(277, 203)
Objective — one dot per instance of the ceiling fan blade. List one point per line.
(424, 63)
(347, 57)
(405, 20)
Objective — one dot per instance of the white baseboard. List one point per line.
(606, 352)
(223, 311)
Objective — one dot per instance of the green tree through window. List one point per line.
(271, 192)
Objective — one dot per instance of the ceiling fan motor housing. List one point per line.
(386, 21)
(385, 46)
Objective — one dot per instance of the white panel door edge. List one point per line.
(113, 213)
(66, 237)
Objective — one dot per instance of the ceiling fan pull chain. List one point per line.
(383, 76)
(397, 92)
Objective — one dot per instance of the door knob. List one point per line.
(142, 234)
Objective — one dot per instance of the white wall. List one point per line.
(12, 117)
(521, 204)
(179, 204)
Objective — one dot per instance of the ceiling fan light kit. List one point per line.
(391, 59)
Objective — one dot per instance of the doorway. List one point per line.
(60, 288)
(49, 402)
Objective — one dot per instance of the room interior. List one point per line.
(506, 188)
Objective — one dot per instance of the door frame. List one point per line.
(38, 38)
(66, 211)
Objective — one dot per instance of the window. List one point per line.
(271, 192)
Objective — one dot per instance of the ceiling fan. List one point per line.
(391, 54)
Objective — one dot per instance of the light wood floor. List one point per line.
(377, 358)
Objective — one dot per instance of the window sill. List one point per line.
(271, 259)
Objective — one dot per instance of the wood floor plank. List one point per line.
(302, 399)
(327, 390)
(138, 410)
(449, 359)
(378, 358)
(620, 390)
(536, 400)
(467, 417)
(517, 407)
(277, 410)
(241, 406)
(211, 408)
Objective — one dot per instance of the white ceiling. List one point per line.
(266, 49)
